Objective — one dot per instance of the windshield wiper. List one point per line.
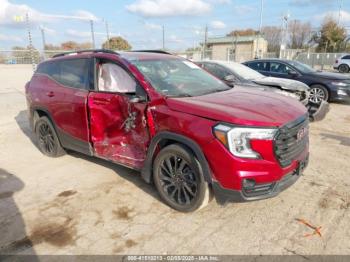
(215, 91)
(179, 95)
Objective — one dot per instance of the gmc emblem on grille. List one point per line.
(301, 133)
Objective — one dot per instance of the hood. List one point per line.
(330, 76)
(241, 106)
(286, 84)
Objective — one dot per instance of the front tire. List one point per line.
(178, 178)
(47, 138)
(343, 68)
(318, 93)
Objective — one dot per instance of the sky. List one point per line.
(141, 21)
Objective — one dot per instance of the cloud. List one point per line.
(217, 24)
(75, 33)
(310, 2)
(344, 16)
(85, 15)
(244, 9)
(48, 31)
(161, 8)
(151, 26)
(10, 38)
(227, 2)
(174, 39)
(14, 14)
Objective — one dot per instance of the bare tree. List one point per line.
(299, 34)
(273, 36)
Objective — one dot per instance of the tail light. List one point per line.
(336, 61)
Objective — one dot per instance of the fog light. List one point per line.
(248, 183)
(342, 92)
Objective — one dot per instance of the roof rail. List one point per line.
(153, 51)
(87, 51)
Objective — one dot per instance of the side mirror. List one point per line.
(137, 99)
(230, 78)
(292, 73)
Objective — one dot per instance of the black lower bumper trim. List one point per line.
(224, 195)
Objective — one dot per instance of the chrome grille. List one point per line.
(288, 144)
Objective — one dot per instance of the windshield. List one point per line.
(244, 71)
(302, 67)
(179, 77)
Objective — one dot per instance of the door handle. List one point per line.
(101, 101)
(50, 94)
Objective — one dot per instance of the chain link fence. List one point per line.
(26, 56)
(322, 61)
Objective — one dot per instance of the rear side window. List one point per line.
(279, 68)
(71, 72)
(346, 57)
(74, 73)
(259, 66)
(50, 69)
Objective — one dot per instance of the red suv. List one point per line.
(184, 129)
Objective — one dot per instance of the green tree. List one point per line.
(331, 37)
(116, 43)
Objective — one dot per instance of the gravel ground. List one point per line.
(82, 205)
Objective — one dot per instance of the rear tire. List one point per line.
(179, 180)
(318, 93)
(343, 68)
(47, 138)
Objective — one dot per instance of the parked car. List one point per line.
(342, 64)
(323, 85)
(165, 116)
(235, 73)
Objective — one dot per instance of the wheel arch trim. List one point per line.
(146, 172)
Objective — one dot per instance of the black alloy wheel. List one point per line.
(48, 142)
(318, 93)
(344, 68)
(178, 179)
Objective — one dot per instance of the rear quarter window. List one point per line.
(70, 72)
(74, 73)
(346, 57)
(259, 66)
(51, 69)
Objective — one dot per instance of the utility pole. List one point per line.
(340, 7)
(163, 36)
(107, 33)
(284, 30)
(205, 41)
(260, 26)
(92, 33)
(30, 41)
(42, 29)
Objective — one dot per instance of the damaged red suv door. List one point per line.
(117, 119)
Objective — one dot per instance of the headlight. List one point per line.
(342, 92)
(285, 93)
(237, 139)
(339, 83)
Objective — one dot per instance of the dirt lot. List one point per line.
(82, 205)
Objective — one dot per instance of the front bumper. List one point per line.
(318, 112)
(340, 94)
(264, 191)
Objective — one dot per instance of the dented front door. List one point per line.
(118, 128)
